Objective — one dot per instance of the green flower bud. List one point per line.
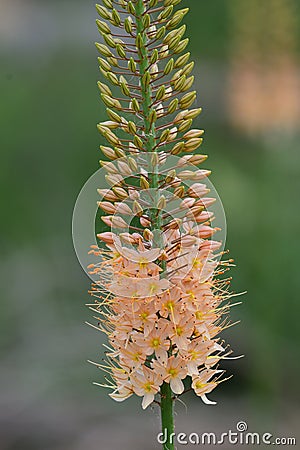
(137, 209)
(146, 78)
(138, 142)
(162, 203)
(121, 51)
(107, 3)
(103, 49)
(171, 175)
(188, 68)
(111, 102)
(146, 21)
(187, 100)
(165, 13)
(180, 83)
(193, 134)
(169, 67)
(104, 89)
(135, 105)
(188, 84)
(193, 113)
(172, 2)
(193, 144)
(179, 192)
(181, 46)
(128, 25)
(178, 148)
(182, 60)
(164, 136)
(132, 164)
(103, 12)
(113, 115)
(131, 8)
(174, 42)
(152, 117)
(104, 64)
(144, 183)
(113, 61)
(109, 40)
(160, 33)
(112, 138)
(112, 78)
(160, 93)
(120, 193)
(116, 20)
(103, 27)
(177, 18)
(125, 90)
(132, 127)
(154, 56)
(185, 125)
(108, 152)
(139, 42)
(119, 152)
(173, 106)
(132, 65)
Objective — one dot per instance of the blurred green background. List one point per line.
(247, 76)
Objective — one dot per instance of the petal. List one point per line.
(207, 401)
(192, 368)
(120, 397)
(162, 355)
(177, 385)
(147, 400)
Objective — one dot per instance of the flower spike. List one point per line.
(158, 293)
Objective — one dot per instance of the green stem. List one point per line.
(167, 417)
(145, 86)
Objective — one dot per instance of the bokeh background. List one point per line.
(248, 80)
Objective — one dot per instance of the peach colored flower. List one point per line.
(123, 385)
(132, 355)
(181, 330)
(169, 302)
(173, 372)
(196, 355)
(202, 386)
(146, 383)
(155, 343)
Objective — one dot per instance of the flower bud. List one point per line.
(107, 207)
(132, 65)
(193, 134)
(165, 13)
(108, 152)
(103, 49)
(107, 237)
(116, 20)
(103, 27)
(107, 194)
(173, 106)
(120, 193)
(144, 183)
(104, 89)
(103, 12)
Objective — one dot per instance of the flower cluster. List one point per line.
(157, 292)
(161, 329)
